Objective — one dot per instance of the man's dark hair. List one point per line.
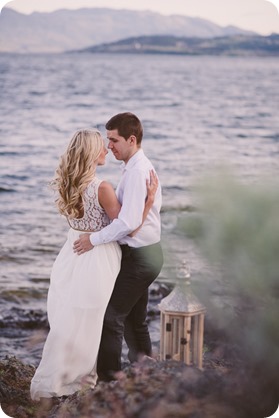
(127, 124)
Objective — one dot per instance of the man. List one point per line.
(142, 256)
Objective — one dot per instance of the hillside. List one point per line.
(76, 29)
(228, 45)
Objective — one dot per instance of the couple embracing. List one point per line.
(99, 282)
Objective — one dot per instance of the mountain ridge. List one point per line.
(65, 29)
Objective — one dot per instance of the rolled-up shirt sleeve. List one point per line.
(130, 215)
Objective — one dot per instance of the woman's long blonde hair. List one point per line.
(76, 170)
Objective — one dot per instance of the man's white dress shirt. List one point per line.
(131, 193)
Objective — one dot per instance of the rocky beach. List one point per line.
(229, 386)
(226, 388)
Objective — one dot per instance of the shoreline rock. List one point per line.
(231, 385)
(148, 389)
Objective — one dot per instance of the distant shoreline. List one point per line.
(236, 45)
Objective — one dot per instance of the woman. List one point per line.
(80, 286)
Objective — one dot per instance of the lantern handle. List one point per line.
(183, 272)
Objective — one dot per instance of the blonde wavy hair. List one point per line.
(75, 171)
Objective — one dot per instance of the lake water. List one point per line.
(197, 112)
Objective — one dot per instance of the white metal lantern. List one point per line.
(182, 323)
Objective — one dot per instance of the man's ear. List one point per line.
(133, 139)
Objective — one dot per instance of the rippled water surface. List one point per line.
(197, 112)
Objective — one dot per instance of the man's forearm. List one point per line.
(113, 232)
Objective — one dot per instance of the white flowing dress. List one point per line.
(80, 289)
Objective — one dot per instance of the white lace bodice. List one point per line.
(94, 218)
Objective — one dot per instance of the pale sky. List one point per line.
(257, 15)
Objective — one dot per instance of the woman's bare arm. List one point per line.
(151, 187)
(108, 200)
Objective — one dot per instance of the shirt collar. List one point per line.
(133, 160)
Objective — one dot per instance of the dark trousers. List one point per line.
(127, 309)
